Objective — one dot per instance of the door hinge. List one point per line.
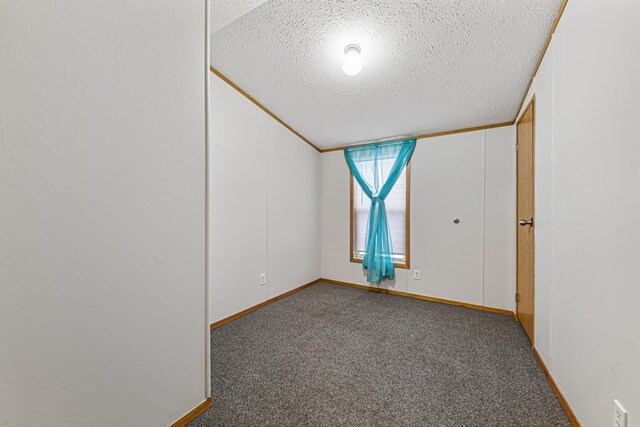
(517, 147)
(517, 297)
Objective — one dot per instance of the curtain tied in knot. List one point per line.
(366, 166)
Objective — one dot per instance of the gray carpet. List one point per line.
(337, 356)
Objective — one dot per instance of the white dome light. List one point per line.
(352, 61)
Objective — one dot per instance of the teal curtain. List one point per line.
(367, 164)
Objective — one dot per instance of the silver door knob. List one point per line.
(524, 222)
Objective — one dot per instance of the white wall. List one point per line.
(294, 220)
(499, 218)
(264, 205)
(587, 181)
(469, 176)
(102, 130)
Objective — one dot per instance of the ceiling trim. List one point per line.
(262, 107)
(544, 51)
(425, 136)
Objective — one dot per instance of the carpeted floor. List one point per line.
(337, 356)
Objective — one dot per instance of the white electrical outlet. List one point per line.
(619, 415)
(263, 279)
(416, 274)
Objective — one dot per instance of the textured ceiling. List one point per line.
(223, 12)
(429, 65)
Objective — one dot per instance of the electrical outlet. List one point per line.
(263, 279)
(619, 415)
(416, 274)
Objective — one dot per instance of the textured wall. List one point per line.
(264, 205)
(428, 66)
(102, 209)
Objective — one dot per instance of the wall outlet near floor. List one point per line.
(416, 274)
(619, 415)
(263, 279)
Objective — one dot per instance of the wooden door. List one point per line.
(525, 220)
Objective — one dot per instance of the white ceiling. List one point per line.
(429, 66)
(224, 12)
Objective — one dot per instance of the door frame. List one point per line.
(532, 105)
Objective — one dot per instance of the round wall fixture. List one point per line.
(352, 61)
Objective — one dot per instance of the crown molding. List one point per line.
(425, 136)
(544, 51)
(262, 107)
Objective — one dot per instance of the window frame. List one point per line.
(352, 221)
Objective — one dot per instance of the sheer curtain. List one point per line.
(396, 206)
(376, 168)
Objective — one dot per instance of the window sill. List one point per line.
(395, 264)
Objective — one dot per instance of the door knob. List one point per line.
(525, 222)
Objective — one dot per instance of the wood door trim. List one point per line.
(532, 105)
(531, 102)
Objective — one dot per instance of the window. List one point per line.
(397, 205)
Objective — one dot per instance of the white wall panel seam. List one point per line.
(268, 160)
(483, 221)
(207, 136)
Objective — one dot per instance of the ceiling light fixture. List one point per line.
(352, 61)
